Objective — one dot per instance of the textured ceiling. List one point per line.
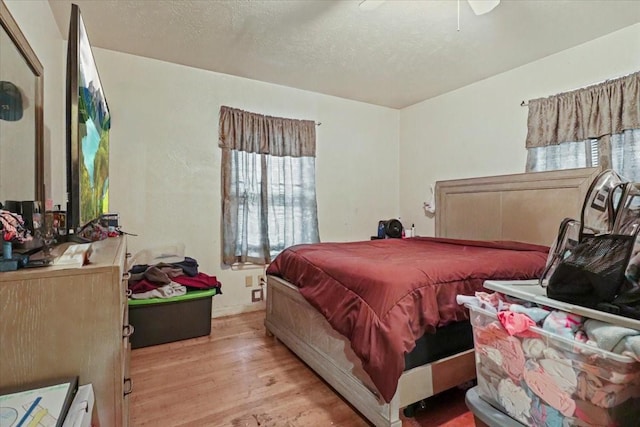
(401, 53)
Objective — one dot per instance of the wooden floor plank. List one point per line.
(239, 377)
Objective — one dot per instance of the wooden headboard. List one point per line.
(525, 207)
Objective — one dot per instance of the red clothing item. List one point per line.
(143, 285)
(199, 281)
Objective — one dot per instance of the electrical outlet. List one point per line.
(248, 281)
(261, 280)
(256, 295)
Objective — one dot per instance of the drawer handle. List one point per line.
(128, 386)
(127, 331)
(126, 276)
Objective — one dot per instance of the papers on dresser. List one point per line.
(38, 405)
(75, 256)
(81, 410)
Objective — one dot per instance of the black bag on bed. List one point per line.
(588, 267)
(391, 228)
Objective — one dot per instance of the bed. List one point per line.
(523, 207)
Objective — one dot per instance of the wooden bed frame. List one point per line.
(524, 207)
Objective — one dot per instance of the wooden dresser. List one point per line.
(58, 322)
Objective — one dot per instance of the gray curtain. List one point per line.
(268, 185)
(605, 109)
(577, 129)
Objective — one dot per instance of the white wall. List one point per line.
(165, 160)
(39, 27)
(480, 130)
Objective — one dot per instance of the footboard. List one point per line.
(308, 334)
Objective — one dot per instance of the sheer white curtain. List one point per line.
(244, 218)
(621, 153)
(268, 185)
(568, 155)
(292, 209)
(625, 154)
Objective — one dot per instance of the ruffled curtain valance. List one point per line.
(608, 108)
(256, 133)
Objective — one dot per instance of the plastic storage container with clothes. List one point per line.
(544, 379)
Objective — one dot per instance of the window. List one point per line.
(623, 155)
(562, 156)
(594, 126)
(269, 196)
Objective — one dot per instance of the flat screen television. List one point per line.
(88, 124)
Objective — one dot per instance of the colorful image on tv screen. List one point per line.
(94, 123)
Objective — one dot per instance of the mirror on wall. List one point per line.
(21, 118)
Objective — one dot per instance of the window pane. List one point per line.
(245, 189)
(568, 155)
(625, 154)
(292, 213)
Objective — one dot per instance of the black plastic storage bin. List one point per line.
(163, 320)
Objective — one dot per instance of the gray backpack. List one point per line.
(595, 259)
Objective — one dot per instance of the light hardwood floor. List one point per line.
(239, 377)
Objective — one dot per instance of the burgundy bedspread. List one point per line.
(385, 294)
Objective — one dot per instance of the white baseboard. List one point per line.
(237, 309)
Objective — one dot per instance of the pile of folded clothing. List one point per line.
(169, 279)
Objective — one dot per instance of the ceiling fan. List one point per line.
(479, 7)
